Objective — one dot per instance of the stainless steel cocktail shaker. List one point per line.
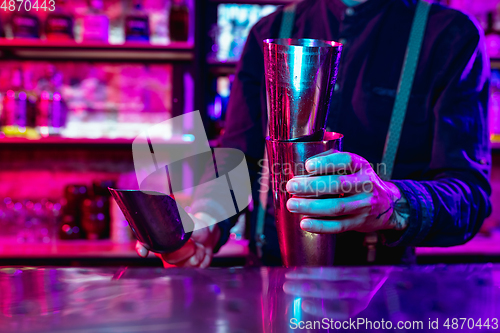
(300, 77)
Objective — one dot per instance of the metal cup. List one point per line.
(154, 218)
(286, 160)
(300, 77)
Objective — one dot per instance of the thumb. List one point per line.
(201, 236)
(141, 250)
(203, 226)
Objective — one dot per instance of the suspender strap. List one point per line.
(404, 87)
(401, 104)
(287, 21)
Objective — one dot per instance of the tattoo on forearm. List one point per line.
(388, 209)
(400, 214)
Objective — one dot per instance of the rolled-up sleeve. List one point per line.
(450, 203)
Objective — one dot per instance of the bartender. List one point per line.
(439, 191)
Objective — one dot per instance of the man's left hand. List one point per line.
(344, 193)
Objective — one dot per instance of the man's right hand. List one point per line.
(198, 251)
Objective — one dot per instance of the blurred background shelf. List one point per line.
(71, 50)
(219, 68)
(176, 140)
(495, 63)
(256, 2)
(495, 145)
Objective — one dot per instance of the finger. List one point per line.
(331, 184)
(208, 258)
(326, 289)
(185, 252)
(165, 264)
(192, 261)
(201, 235)
(335, 162)
(141, 250)
(333, 274)
(330, 207)
(337, 226)
(196, 260)
(337, 310)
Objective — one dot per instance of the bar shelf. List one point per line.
(176, 140)
(257, 2)
(96, 249)
(72, 50)
(220, 68)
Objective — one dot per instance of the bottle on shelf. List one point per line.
(492, 34)
(96, 211)
(2, 29)
(494, 106)
(95, 221)
(9, 103)
(59, 23)
(43, 114)
(70, 218)
(217, 109)
(58, 114)
(17, 114)
(31, 97)
(95, 23)
(137, 24)
(178, 23)
(51, 109)
(24, 24)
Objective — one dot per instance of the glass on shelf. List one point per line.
(70, 226)
(24, 24)
(95, 23)
(178, 22)
(59, 24)
(494, 104)
(137, 24)
(29, 221)
(216, 109)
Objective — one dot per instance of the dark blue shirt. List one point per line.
(443, 162)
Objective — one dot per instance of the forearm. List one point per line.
(400, 217)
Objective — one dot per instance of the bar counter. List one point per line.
(250, 299)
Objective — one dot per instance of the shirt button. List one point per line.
(337, 87)
(349, 11)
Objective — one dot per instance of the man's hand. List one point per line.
(363, 201)
(198, 251)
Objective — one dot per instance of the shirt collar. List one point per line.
(368, 8)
